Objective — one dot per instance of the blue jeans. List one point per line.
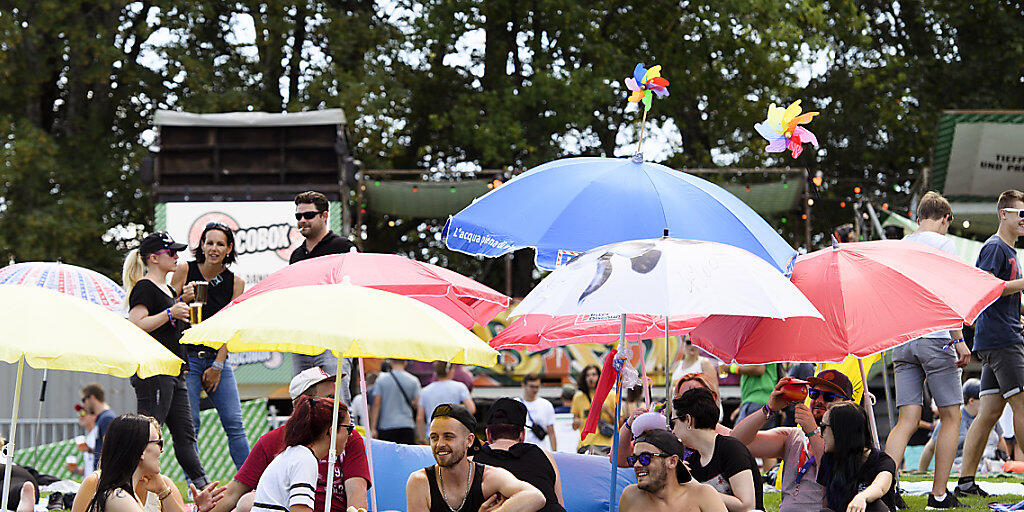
(225, 400)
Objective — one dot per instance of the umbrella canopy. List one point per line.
(54, 331)
(351, 321)
(873, 295)
(75, 281)
(570, 206)
(458, 296)
(540, 332)
(667, 277)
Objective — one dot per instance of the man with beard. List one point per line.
(457, 484)
(662, 481)
(800, 447)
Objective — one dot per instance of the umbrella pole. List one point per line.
(866, 398)
(332, 454)
(668, 378)
(615, 437)
(39, 415)
(368, 437)
(9, 447)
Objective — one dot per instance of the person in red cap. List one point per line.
(351, 472)
(800, 447)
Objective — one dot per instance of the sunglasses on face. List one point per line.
(349, 427)
(644, 458)
(1018, 211)
(826, 396)
(824, 426)
(307, 215)
(159, 443)
(169, 252)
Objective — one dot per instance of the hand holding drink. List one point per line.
(71, 463)
(80, 442)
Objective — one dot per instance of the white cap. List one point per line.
(306, 379)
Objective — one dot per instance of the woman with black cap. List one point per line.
(154, 307)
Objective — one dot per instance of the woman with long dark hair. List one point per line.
(130, 480)
(856, 476)
(718, 460)
(206, 366)
(600, 442)
(290, 480)
(155, 308)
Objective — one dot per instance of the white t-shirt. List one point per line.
(289, 479)
(941, 243)
(89, 457)
(541, 411)
(441, 392)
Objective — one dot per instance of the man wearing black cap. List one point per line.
(457, 484)
(799, 447)
(662, 481)
(505, 448)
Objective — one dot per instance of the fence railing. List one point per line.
(44, 431)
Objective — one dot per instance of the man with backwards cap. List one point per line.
(351, 472)
(506, 448)
(800, 447)
(663, 482)
(457, 484)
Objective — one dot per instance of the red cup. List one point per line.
(795, 390)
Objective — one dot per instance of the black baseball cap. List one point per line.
(159, 241)
(507, 411)
(455, 412)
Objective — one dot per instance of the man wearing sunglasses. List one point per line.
(663, 483)
(800, 447)
(456, 483)
(998, 342)
(311, 211)
(351, 472)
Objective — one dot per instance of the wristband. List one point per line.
(767, 410)
(169, 317)
(813, 433)
(167, 492)
(218, 365)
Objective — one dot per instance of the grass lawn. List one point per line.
(918, 503)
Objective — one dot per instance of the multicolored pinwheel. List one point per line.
(644, 82)
(783, 130)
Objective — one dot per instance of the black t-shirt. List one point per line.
(528, 463)
(330, 244)
(730, 457)
(218, 295)
(146, 293)
(876, 463)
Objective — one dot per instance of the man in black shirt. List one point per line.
(505, 448)
(311, 210)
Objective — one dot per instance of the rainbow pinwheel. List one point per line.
(645, 83)
(783, 130)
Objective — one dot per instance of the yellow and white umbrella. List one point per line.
(351, 321)
(54, 331)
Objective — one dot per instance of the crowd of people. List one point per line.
(688, 460)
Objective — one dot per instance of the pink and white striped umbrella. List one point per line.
(68, 279)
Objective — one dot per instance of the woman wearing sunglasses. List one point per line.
(154, 307)
(856, 476)
(131, 480)
(206, 365)
(289, 481)
(718, 460)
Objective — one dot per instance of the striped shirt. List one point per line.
(289, 480)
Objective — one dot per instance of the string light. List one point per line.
(856, 190)
(842, 204)
(810, 202)
(415, 188)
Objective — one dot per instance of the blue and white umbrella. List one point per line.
(569, 206)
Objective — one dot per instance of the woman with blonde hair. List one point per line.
(155, 308)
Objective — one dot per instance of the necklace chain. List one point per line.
(469, 483)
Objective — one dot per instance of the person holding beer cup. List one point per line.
(155, 308)
(207, 285)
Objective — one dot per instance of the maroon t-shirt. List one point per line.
(352, 464)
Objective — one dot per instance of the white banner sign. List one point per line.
(985, 159)
(265, 232)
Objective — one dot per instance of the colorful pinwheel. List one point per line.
(783, 130)
(645, 83)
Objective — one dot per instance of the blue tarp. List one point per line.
(584, 477)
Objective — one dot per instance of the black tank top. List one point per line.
(222, 287)
(474, 499)
(528, 463)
